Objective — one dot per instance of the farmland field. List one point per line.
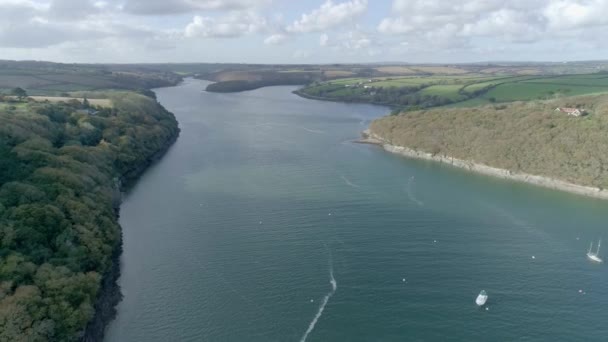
(95, 102)
(440, 70)
(451, 91)
(470, 89)
(530, 91)
(396, 70)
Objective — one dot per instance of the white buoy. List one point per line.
(533, 257)
(487, 308)
(434, 241)
(403, 280)
(312, 300)
(329, 214)
(580, 291)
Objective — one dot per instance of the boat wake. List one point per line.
(334, 287)
(348, 182)
(313, 130)
(277, 124)
(517, 222)
(410, 192)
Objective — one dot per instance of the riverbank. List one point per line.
(370, 137)
(110, 294)
(300, 93)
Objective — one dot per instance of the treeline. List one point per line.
(46, 78)
(409, 98)
(402, 98)
(257, 79)
(237, 86)
(60, 173)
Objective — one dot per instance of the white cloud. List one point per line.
(513, 26)
(166, 7)
(458, 24)
(352, 43)
(573, 14)
(329, 15)
(72, 10)
(356, 40)
(235, 24)
(275, 39)
(29, 24)
(324, 39)
(159, 30)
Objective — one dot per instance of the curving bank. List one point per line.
(532, 142)
(63, 168)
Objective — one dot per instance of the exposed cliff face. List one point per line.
(372, 137)
(110, 294)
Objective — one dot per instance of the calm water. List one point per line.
(264, 223)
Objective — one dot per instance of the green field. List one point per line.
(13, 107)
(451, 92)
(458, 90)
(530, 91)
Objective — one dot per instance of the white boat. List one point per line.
(482, 298)
(595, 257)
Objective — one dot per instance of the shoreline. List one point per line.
(328, 99)
(110, 294)
(368, 137)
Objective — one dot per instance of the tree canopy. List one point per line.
(20, 93)
(60, 172)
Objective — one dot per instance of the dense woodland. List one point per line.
(529, 137)
(60, 174)
(57, 79)
(398, 97)
(255, 80)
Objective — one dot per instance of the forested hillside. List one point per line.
(523, 137)
(60, 172)
(56, 79)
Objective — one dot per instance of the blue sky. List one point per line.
(312, 31)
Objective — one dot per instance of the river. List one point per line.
(264, 222)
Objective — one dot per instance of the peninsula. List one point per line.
(559, 144)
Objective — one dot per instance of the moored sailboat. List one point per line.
(595, 257)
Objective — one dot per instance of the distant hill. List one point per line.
(45, 78)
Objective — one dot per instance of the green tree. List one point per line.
(20, 93)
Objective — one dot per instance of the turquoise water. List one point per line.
(265, 223)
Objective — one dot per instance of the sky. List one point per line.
(303, 31)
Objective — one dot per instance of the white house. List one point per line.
(571, 111)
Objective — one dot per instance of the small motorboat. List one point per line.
(482, 298)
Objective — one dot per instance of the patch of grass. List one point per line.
(520, 91)
(451, 92)
(106, 103)
(338, 73)
(396, 70)
(440, 70)
(460, 90)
